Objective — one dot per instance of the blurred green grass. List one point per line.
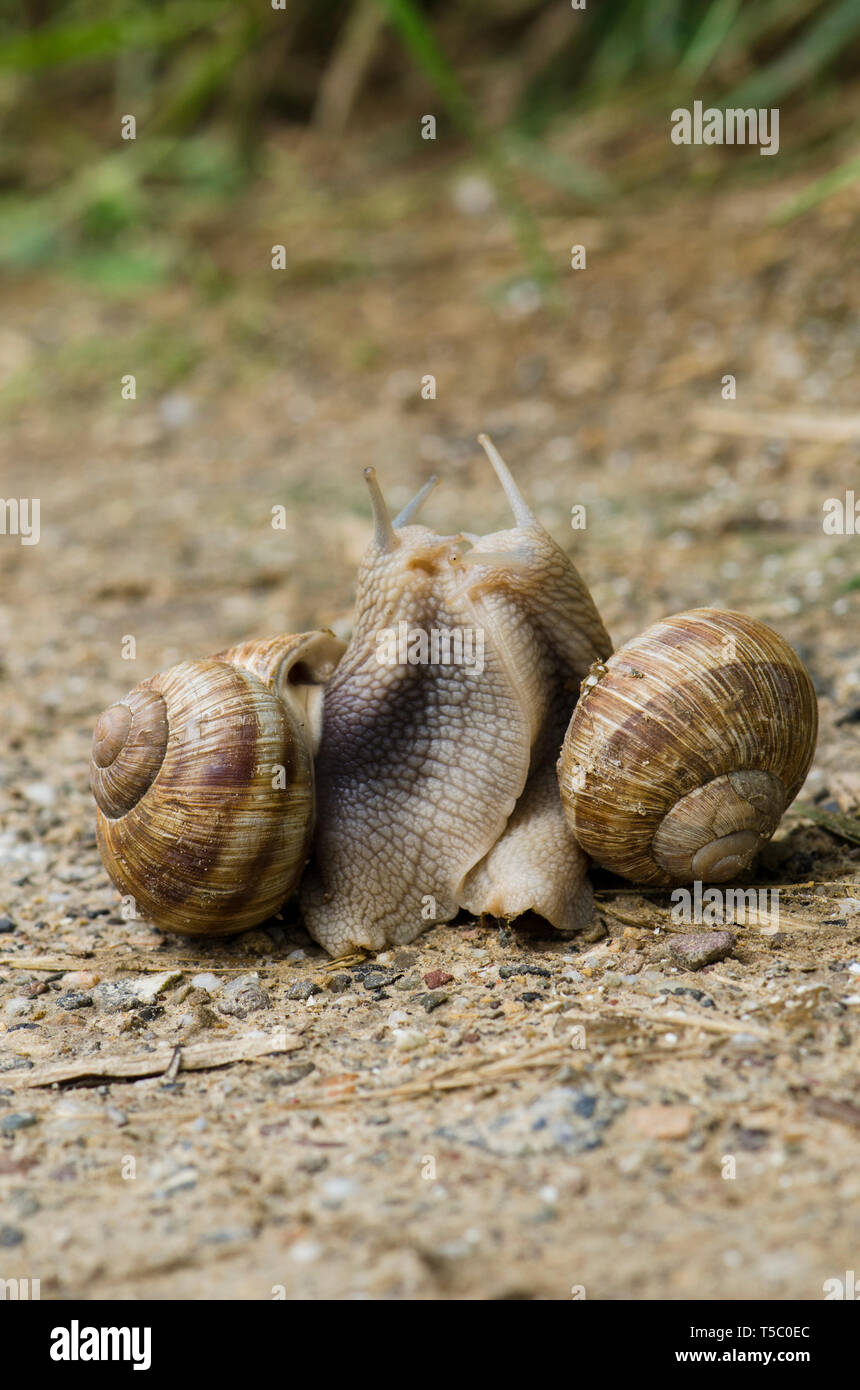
(210, 80)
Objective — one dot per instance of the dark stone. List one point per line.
(10, 1124)
(150, 1012)
(292, 1074)
(698, 994)
(72, 1001)
(303, 989)
(509, 972)
(377, 978)
(116, 998)
(432, 1001)
(752, 1139)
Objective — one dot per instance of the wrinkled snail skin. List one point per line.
(193, 821)
(435, 783)
(686, 748)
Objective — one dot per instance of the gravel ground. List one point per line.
(490, 1112)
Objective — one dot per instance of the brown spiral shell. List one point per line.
(203, 781)
(686, 747)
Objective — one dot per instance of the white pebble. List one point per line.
(304, 1252)
(150, 986)
(338, 1189)
(79, 979)
(18, 1007)
(210, 983)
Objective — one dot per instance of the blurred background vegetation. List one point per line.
(212, 84)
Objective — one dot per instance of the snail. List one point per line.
(436, 784)
(204, 786)
(686, 747)
(421, 781)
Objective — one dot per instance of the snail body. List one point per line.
(686, 747)
(204, 786)
(436, 785)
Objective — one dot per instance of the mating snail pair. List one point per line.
(414, 791)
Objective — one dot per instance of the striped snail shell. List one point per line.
(686, 747)
(204, 786)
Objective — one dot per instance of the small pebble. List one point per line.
(33, 990)
(40, 793)
(510, 972)
(26, 1204)
(378, 979)
(304, 1252)
(698, 948)
(245, 996)
(211, 983)
(80, 980)
(292, 1074)
(338, 984)
(303, 989)
(336, 1190)
(6, 924)
(429, 1002)
(73, 1001)
(18, 1007)
(435, 979)
(10, 1236)
(10, 1124)
(664, 1121)
(184, 1180)
(148, 987)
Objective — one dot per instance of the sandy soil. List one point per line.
(418, 1139)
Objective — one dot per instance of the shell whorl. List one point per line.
(129, 743)
(686, 748)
